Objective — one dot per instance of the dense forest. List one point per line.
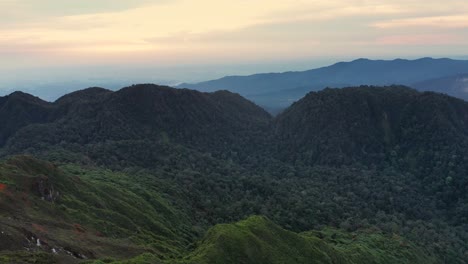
(153, 174)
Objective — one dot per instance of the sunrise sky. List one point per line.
(181, 39)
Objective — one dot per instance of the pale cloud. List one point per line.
(332, 10)
(422, 39)
(452, 21)
(135, 25)
(23, 9)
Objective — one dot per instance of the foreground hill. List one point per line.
(279, 90)
(70, 213)
(258, 240)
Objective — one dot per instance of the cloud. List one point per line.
(221, 29)
(452, 21)
(332, 10)
(422, 39)
(70, 7)
(133, 26)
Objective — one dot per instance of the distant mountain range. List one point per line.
(278, 90)
(456, 85)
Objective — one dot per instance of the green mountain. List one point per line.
(423, 134)
(18, 110)
(152, 174)
(258, 240)
(147, 112)
(366, 124)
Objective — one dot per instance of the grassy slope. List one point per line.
(257, 240)
(95, 213)
(372, 246)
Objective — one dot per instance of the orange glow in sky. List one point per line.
(49, 32)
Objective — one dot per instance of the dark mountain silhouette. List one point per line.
(367, 123)
(80, 96)
(278, 90)
(18, 110)
(148, 112)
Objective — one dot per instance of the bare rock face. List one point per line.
(45, 189)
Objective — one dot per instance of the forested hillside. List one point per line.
(353, 175)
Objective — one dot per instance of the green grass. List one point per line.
(372, 246)
(119, 207)
(258, 240)
(142, 259)
(27, 257)
(98, 213)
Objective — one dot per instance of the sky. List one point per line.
(118, 41)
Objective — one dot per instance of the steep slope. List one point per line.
(278, 90)
(411, 138)
(365, 124)
(188, 116)
(71, 213)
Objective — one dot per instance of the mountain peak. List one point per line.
(18, 95)
(366, 122)
(361, 60)
(86, 94)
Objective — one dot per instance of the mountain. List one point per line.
(153, 113)
(366, 124)
(423, 135)
(18, 110)
(279, 90)
(158, 175)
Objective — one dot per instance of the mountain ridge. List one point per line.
(267, 86)
(150, 105)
